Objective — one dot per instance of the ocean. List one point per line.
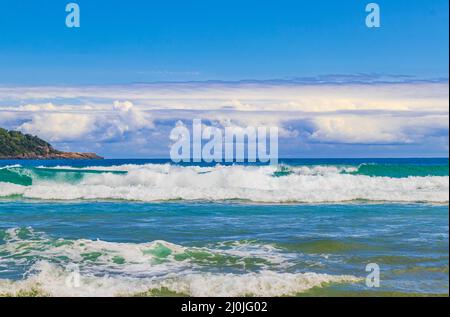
(307, 227)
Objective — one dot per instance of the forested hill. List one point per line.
(16, 145)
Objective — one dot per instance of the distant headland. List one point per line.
(16, 145)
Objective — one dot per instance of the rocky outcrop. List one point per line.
(16, 145)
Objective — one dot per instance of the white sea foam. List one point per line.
(160, 182)
(51, 280)
(131, 259)
(144, 267)
(10, 166)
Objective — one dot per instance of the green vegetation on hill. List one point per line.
(17, 144)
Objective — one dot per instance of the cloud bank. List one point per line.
(323, 118)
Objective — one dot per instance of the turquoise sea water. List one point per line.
(148, 228)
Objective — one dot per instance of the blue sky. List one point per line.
(334, 87)
(134, 41)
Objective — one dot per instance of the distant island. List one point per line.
(16, 145)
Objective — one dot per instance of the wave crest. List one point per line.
(265, 184)
(53, 281)
(145, 269)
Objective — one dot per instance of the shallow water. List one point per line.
(191, 247)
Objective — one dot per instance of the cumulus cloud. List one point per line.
(132, 117)
(58, 126)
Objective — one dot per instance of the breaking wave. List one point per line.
(265, 184)
(149, 269)
(52, 281)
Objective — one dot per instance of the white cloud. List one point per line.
(251, 97)
(356, 129)
(59, 126)
(376, 129)
(122, 106)
(65, 125)
(131, 118)
(382, 113)
(38, 107)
